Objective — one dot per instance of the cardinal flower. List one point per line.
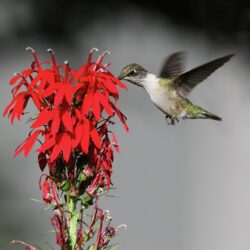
(74, 112)
(71, 105)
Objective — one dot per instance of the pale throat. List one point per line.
(151, 83)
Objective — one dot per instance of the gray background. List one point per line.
(185, 187)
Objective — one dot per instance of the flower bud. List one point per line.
(65, 186)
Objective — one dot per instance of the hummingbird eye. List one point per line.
(131, 73)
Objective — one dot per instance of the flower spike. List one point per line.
(75, 112)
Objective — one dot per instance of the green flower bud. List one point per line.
(65, 186)
(83, 177)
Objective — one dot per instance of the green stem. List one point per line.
(73, 222)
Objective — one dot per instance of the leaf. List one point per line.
(42, 161)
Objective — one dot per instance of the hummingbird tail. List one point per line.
(208, 115)
(196, 112)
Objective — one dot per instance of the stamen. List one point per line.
(100, 59)
(35, 56)
(66, 70)
(90, 55)
(31, 49)
(94, 49)
(51, 51)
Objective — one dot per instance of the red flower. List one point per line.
(74, 108)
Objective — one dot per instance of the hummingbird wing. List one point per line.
(173, 65)
(187, 81)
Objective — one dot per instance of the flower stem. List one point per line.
(72, 222)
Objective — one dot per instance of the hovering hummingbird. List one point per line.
(169, 90)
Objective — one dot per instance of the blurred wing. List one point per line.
(187, 81)
(173, 66)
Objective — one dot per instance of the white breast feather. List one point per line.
(156, 93)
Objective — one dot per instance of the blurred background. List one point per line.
(183, 187)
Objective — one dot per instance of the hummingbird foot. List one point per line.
(171, 120)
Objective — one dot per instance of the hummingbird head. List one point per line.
(133, 73)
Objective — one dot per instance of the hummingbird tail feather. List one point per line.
(208, 115)
(196, 112)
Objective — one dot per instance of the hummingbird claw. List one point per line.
(171, 120)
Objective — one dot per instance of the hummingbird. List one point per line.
(169, 90)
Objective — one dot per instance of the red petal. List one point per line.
(21, 101)
(65, 144)
(47, 197)
(44, 117)
(113, 79)
(34, 82)
(77, 134)
(122, 117)
(9, 106)
(49, 91)
(86, 105)
(27, 72)
(96, 109)
(105, 102)
(85, 137)
(36, 99)
(96, 138)
(115, 142)
(28, 144)
(110, 86)
(67, 121)
(69, 93)
(47, 144)
(14, 79)
(55, 152)
(55, 122)
(59, 96)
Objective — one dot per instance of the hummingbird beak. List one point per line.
(120, 77)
